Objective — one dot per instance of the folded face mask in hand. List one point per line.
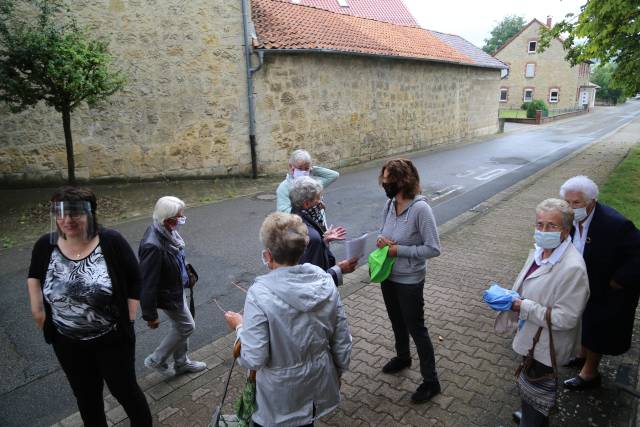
(499, 298)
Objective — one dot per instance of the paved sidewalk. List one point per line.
(475, 365)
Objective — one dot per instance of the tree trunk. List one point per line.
(68, 141)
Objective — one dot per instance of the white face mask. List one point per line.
(580, 214)
(547, 239)
(297, 173)
(264, 261)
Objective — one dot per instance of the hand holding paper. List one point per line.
(354, 248)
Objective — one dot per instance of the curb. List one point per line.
(156, 388)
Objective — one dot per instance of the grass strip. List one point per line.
(622, 189)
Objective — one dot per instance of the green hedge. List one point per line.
(531, 107)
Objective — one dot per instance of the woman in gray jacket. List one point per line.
(409, 229)
(294, 332)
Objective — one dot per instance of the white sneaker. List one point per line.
(162, 368)
(190, 367)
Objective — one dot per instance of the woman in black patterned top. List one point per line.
(84, 287)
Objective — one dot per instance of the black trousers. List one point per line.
(88, 364)
(405, 307)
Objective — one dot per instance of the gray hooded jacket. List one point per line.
(295, 335)
(416, 234)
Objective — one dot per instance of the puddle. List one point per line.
(509, 160)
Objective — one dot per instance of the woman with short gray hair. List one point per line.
(300, 165)
(560, 206)
(294, 331)
(306, 196)
(164, 278)
(554, 278)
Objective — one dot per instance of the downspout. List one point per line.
(250, 71)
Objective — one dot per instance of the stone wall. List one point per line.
(347, 110)
(552, 71)
(184, 110)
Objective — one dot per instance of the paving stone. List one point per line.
(73, 420)
(160, 390)
(116, 414)
(475, 365)
(166, 413)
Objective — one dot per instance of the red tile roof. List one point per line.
(281, 25)
(393, 11)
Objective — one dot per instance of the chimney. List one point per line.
(549, 21)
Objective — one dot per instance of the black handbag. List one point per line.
(193, 279)
(541, 392)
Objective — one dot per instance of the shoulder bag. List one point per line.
(539, 392)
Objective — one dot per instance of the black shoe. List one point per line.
(517, 416)
(576, 362)
(425, 392)
(396, 365)
(579, 383)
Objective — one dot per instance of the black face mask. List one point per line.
(391, 189)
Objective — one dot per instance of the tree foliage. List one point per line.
(502, 32)
(608, 30)
(603, 76)
(45, 56)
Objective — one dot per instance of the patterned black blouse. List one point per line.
(80, 294)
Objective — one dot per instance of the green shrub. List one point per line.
(525, 105)
(537, 104)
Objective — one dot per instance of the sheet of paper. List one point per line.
(354, 248)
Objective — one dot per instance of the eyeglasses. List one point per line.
(542, 226)
(60, 215)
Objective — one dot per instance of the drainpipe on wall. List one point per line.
(248, 37)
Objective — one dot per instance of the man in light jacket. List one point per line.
(294, 331)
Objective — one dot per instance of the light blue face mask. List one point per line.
(182, 220)
(579, 214)
(297, 173)
(547, 239)
(264, 261)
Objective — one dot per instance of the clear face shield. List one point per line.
(71, 220)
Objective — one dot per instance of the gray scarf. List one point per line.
(175, 240)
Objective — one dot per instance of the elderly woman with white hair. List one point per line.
(306, 195)
(610, 245)
(300, 165)
(553, 278)
(164, 278)
(294, 331)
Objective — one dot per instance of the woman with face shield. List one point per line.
(554, 288)
(84, 286)
(164, 278)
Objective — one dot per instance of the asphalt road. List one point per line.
(222, 242)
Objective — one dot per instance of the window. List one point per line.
(554, 94)
(504, 73)
(504, 93)
(343, 3)
(533, 45)
(528, 95)
(530, 70)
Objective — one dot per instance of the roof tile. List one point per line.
(393, 11)
(283, 25)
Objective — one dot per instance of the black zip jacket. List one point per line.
(161, 282)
